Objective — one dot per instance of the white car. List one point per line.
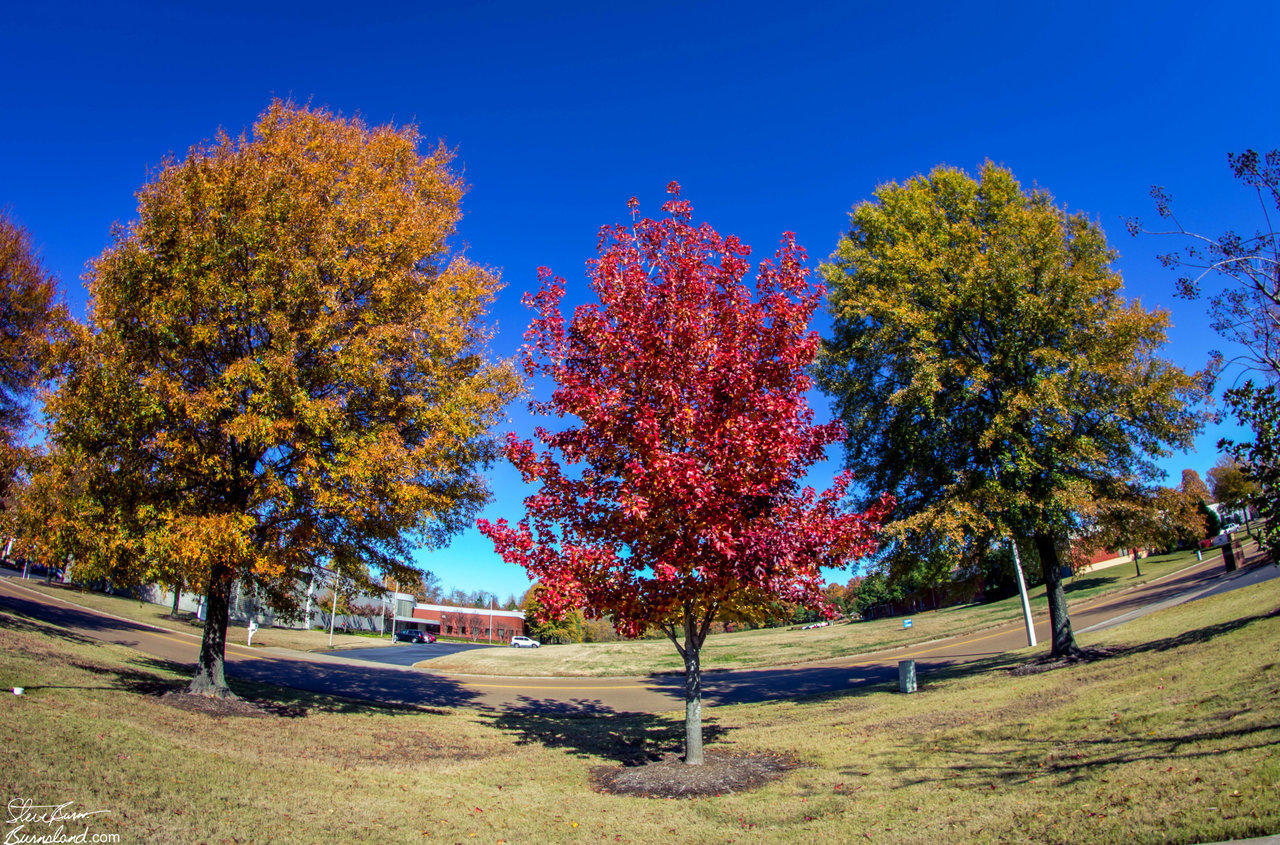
(524, 642)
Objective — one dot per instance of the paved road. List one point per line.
(603, 696)
(403, 655)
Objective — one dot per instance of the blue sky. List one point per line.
(773, 117)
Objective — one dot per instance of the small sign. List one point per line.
(906, 623)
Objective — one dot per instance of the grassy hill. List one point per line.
(739, 650)
(1171, 740)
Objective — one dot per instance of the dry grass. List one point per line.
(740, 650)
(158, 615)
(783, 646)
(1172, 741)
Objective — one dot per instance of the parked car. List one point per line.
(414, 636)
(524, 642)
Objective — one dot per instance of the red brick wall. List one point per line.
(472, 623)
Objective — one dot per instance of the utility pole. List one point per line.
(1022, 591)
(306, 614)
(334, 615)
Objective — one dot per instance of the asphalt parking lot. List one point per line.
(406, 654)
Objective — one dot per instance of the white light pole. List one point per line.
(306, 614)
(1022, 591)
(334, 615)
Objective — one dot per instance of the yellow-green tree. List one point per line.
(282, 366)
(989, 372)
(1232, 486)
(1132, 517)
(568, 628)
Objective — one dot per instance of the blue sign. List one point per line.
(906, 623)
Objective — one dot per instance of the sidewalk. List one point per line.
(1256, 569)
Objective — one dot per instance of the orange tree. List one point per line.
(29, 318)
(281, 367)
(674, 498)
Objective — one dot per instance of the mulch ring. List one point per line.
(214, 706)
(1048, 664)
(721, 773)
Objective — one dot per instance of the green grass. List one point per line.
(1173, 741)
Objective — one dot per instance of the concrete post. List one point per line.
(906, 676)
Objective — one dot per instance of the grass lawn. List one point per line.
(782, 646)
(1173, 741)
(158, 615)
(740, 650)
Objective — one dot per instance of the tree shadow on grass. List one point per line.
(362, 689)
(1078, 584)
(884, 678)
(27, 625)
(152, 676)
(280, 683)
(1198, 635)
(591, 729)
(854, 682)
(142, 675)
(1069, 761)
(63, 617)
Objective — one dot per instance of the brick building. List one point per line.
(474, 623)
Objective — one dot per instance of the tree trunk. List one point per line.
(177, 597)
(1064, 642)
(210, 678)
(692, 693)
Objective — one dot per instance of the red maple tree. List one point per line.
(676, 498)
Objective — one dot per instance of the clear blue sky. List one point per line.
(772, 117)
